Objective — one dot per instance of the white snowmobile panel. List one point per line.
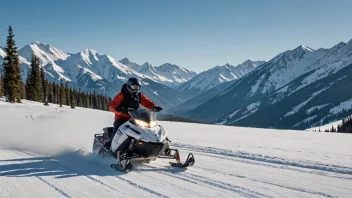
(155, 134)
(118, 141)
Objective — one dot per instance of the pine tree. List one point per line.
(57, 98)
(22, 90)
(12, 70)
(34, 84)
(28, 85)
(80, 99)
(73, 99)
(54, 93)
(44, 86)
(62, 94)
(67, 91)
(50, 91)
(1, 84)
(87, 100)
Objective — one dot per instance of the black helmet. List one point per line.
(133, 85)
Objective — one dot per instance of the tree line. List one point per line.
(38, 88)
(344, 127)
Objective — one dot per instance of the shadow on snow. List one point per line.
(68, 164)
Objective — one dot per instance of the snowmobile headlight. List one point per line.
(153, 124)
(145, 124)
(141, 123)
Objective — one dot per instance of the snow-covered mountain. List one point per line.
(2, 53)
(45, 52)
(281, 92)
(90, 70)
(217, 75)
(199, 99)
(167, 74)
(320, 96)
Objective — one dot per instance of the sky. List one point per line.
(196, 35)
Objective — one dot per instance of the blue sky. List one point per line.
(197, 34)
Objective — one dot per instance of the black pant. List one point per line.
(117, 124)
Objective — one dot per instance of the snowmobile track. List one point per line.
(197, 179)
(54, 187)
(268, 159)
(270, 183)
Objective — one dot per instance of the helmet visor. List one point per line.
(135, 87)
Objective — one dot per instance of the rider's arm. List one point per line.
(116, 102)
(146, 102)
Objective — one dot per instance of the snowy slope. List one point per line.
(2, 52)
(45, 152)
(217, 75)
(279, 71)
(99, 66)
(2, 56)
(321, 95)
(328, 126)
(45, 52)
(167, 74)
(183, 108)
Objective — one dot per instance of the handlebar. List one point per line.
(128, 110)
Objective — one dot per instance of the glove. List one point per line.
(157, 108)
(122, 109)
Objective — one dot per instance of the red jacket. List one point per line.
(119, 98)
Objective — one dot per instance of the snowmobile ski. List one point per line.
(119, 167)
(189, 162)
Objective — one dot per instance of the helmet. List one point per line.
(133, 85)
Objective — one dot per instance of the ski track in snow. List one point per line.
(269, 159)
(63, 166)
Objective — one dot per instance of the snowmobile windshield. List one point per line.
(144, 118)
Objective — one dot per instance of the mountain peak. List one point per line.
(146, 64)
(247, 61)
(125, 60)
(37, 42)
(305, 48)
(169, 65)
(89, 51)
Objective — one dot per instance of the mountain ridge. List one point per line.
(290, 72)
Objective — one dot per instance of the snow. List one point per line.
(326, 126)
(298, 107)
(347, 105)
(90, 69)
(307, 120)
(2, 52)
(219, 74)
(307, 48)
(310, 110)
(167, 74)
(45, 52)
(286, 67)
(45, 152)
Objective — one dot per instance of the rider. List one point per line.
(130, 97)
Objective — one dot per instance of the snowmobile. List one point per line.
(139, 140)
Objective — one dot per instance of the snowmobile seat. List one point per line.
(109, 131)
